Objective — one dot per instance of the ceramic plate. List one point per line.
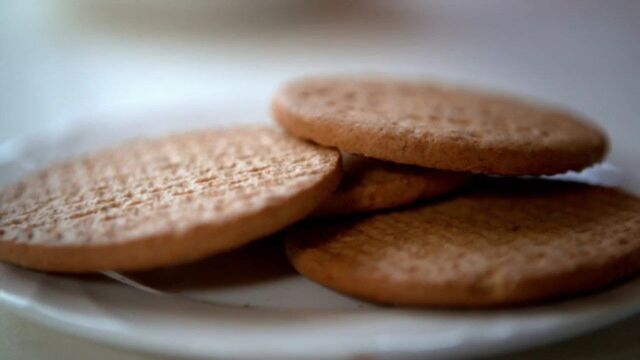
(250, 304)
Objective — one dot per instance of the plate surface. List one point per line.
(250, 304)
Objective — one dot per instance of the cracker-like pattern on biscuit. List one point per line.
(369, 184)
(162, 201)
(508, 242)
(438, 126)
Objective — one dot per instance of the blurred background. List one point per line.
(69, 61)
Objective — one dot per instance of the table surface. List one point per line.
(23, 340)
(66, 61)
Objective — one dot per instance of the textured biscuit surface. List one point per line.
(156, 202)
(369, 184)
(435, 126)
(506, 242)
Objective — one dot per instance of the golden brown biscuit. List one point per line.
(435, 126)
(507, 242)
(165, 201)
(369, 184)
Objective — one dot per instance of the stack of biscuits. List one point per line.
(389, 190)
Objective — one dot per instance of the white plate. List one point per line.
(251, 305)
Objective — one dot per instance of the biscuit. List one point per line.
(436, 126)
(506, 242)
(369, 184)
(166, 201)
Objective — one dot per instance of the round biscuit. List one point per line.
(432, 125)
(506, 242)
(165, 201)
(369, 184)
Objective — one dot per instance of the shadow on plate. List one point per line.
(260, 261)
